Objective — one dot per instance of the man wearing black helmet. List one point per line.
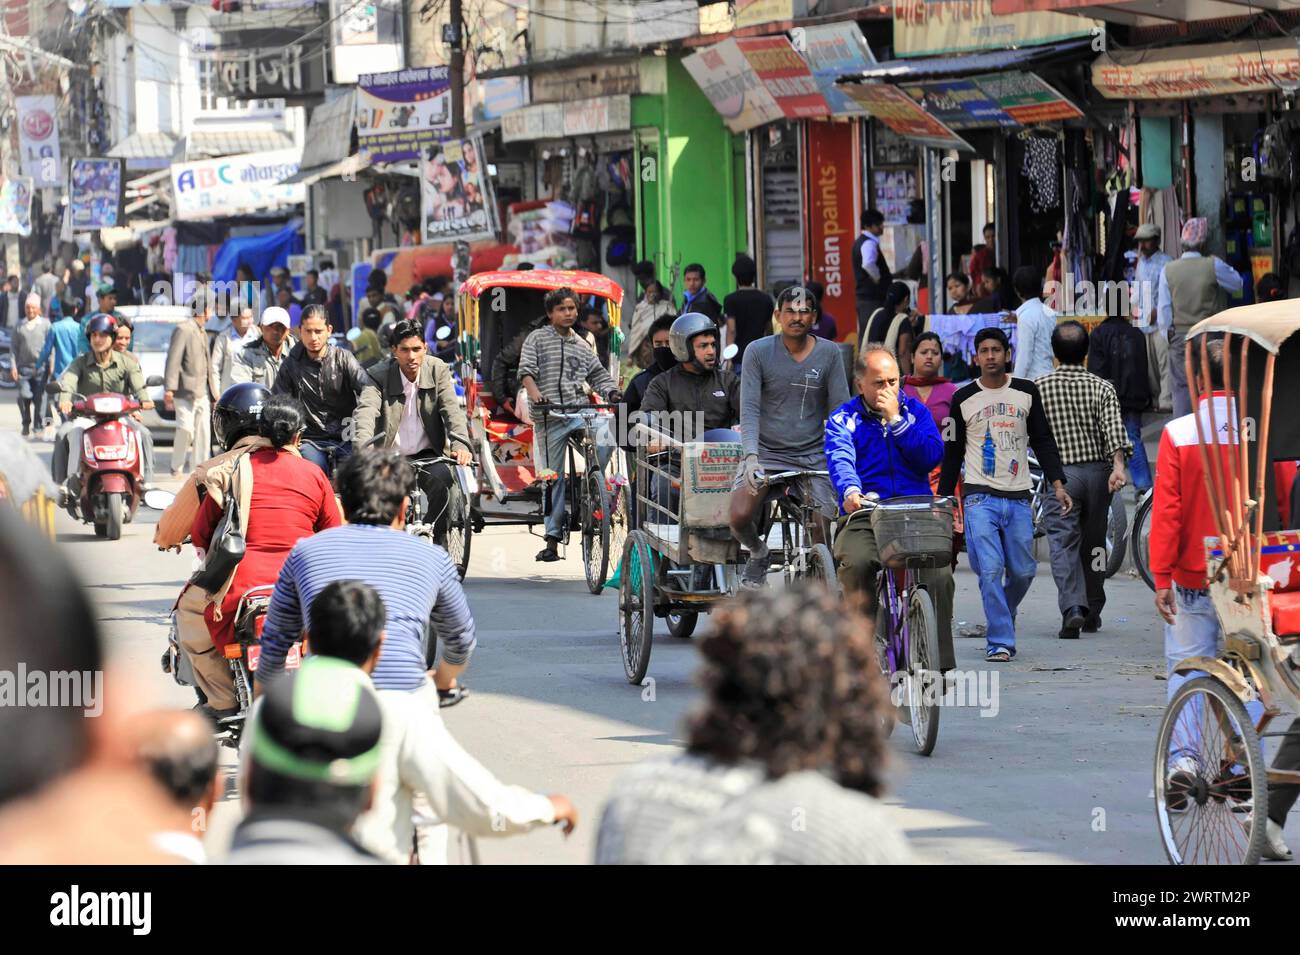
(99, 370)
(695, 385)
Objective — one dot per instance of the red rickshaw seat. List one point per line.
(1281, 561)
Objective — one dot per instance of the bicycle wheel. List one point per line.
(1210, 778)
(595, 529)
(882, 655)
(459, 532)
(1116, 535)
(681, 623)
(636, 607)
(924, 681)
(816, 566)
(1141, 540)
(620, 517)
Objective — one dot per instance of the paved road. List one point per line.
(1059, 774)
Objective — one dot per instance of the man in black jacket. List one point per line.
(696, 386)
(505, 368)
(664, 359)
(328, 381)
(697, 297)
(1117, 352)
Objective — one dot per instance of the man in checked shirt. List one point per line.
(1085, 416)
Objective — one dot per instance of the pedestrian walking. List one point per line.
(28, 346)
(871, 273)
(1118, 352)
(1034, 325)
(189, 386)
(1084, 413)
(748, 309)
(996, 418)
(1150, 267)
(1193, 288)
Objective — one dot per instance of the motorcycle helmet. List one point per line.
(684, 329)
(101, 322)
(239, 412)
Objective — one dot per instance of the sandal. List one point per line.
(452, 696)
(998, 656)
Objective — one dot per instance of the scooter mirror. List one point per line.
(52, 388)
(443, 333)
(730, 352)
(158, 499)
(353, 334)
(153, 381)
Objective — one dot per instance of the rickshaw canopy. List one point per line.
(1267, 324)
(584, 283)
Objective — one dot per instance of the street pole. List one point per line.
(456, 75)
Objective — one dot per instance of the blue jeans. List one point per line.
(557, 436)
(316, 450)
(999, 542)
(1138, 464)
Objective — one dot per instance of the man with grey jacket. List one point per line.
(189, 387)
(228, 343)
(28, 340)
(260, 360)
(410, 400)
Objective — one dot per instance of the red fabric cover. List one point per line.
(1285, 609)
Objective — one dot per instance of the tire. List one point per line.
(113, 527)
(595, 529)
(923, 697)
(636, 618)
(460, 532)
(1116, 535)
(1140, 541)
(882, 657)
(819, 569)
(1200, 819)
(681, 624)
(101, 530)
(620, 519)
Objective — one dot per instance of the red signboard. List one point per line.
(1002, 8)
(785, 75)
(832, 219)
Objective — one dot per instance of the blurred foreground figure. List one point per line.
(177, 748)
(783, 761)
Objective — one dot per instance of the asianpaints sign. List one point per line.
(832, 188)
(235, 184)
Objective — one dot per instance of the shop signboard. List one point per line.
(604, 114)
(367, 38)
(399, 113)
(751, 13)
(232, 185)
(785, 75)
(1027, 98)
(960, 104)
(832, 218)
(500, 95)
(457, 201)
(724, 76)
(543, 121)
(16, 205)
(833, 50)
(936, 27)
(38, 140)
(587, 82)
(95, 194)
(904, 115)
(276, 63)
(1215, 69)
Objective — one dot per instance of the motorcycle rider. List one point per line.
(260, 359)
(695, 384)
(410, 400)
(102, 369)
(328, 380)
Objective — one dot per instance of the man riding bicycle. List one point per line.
(328, 381)
(410, 400)
(555, 366)
(790, 383)
(886, 443)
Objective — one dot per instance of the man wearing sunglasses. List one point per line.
(789, 385)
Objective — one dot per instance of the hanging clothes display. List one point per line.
(1042, 170)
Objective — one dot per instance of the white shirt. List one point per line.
(1034, 325)
(411, 436)
(183, 845)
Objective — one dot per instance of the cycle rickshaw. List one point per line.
(1212, 780)
(495, 308)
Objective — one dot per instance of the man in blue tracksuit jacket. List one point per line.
(882, 441)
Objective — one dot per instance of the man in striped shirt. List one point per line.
(417, 580)
(1086, 421)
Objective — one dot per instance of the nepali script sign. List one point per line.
(401, 112)
(235, 184)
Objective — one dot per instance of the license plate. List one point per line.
(292, 660)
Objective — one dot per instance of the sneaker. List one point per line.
(1183, 776)
(1275, 846)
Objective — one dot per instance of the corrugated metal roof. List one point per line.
(207, 144)
(935, 67)
(144, 146)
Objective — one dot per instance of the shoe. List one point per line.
(26, 431)
(1275, 846)
(49, 432)
(754, 576)
(1093, 623)
(1183, 776)
(216, 716)
(997, 655)
(550, 552)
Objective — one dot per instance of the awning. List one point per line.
(349, 166)
(329, 132)
(145, 150)
(939, 67)
(1144, 12)
(210, 143)
(1185, 72)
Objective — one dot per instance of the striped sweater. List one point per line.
(561, 365)
(416, 580)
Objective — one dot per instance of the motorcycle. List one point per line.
(106, 487)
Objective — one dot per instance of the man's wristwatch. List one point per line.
(896, 419)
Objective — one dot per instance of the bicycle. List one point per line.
(587, 496)
(800, 557)
(911, 533)
(459, 532)
(1140, 541)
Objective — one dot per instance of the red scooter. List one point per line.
(105, 489)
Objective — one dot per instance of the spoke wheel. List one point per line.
(1116, 535)
(595, 529)
(681, 623)
(636, 607)
(1210, 778)
(459, 531)
(1141, 541)
(816, 567)
(620, 520)
(924, 681)
(882, 656)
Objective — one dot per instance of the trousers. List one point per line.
(193, 429)
(211, 671)
(1078, 539)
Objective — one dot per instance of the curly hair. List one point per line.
(792, 681)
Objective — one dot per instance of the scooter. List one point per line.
(106, 487)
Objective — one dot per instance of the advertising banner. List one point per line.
(398, 114)
(904, 115)
(832, 219)
(457, 200)
(232, 185)
(833, 50)
(936, 27)
(725, 76)
(16, 206)
(1215, 69)
(95, 194)
(1027, 98)
(38, 140)
(960, 104)
(785, 75)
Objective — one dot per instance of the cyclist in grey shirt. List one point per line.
(790, 383)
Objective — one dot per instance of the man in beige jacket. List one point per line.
(189, 387)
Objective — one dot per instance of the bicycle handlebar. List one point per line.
(869, 505)
(767, 480)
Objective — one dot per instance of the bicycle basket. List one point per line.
(913, 530)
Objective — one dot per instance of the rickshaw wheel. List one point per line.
(636, 597)
(681, 623)
(1210, 778)
(595, 529)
